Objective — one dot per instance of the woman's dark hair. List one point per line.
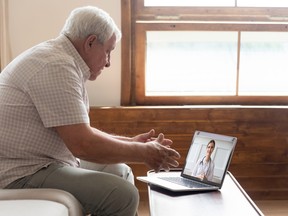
(212, 141)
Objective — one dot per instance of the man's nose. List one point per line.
(107, 64)
(108, 61)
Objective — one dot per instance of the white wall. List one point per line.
(34, 21)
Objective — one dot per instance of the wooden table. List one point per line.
(231, 200)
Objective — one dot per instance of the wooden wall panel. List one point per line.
(260, 162)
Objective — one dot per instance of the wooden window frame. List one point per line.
(136, 19)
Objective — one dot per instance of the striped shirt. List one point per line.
(40, 89)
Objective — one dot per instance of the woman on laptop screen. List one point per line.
(204, 168)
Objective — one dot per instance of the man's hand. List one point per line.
(149, 136)
(159, 155)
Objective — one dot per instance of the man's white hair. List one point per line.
(88, 20)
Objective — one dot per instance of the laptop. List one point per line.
(205, 166)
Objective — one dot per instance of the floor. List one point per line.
(268, 207)
(143, 209)
(273, 207)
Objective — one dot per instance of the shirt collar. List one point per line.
(69, 47)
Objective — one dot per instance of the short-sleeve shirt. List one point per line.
(40, 89)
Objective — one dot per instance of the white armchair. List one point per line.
(44, 202)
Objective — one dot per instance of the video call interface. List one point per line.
(208, 157)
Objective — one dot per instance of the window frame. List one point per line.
(136, 19)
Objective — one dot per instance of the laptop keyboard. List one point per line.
(185, 182)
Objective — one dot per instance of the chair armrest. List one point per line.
(55, 195)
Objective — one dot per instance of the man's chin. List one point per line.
(94, 76)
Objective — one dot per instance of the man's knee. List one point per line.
(122, 199)
(131, 197)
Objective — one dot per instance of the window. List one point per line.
(216, 3)
(204, 52)
(180, 60)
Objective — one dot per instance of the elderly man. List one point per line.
(45, 126)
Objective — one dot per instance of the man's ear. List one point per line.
(89, 41)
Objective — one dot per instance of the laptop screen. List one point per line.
(209, 157)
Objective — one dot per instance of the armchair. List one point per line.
(44, 202)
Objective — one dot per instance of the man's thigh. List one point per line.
(99, 193)
(121, 169)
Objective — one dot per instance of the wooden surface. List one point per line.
(230, 200)
(260, 161)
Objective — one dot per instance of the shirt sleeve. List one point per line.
(58, 94)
